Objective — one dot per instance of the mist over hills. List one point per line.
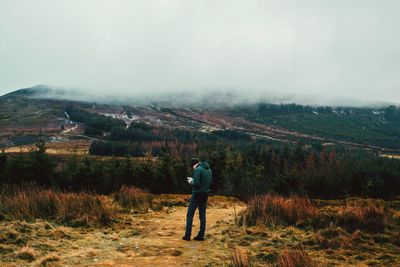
(193, 98)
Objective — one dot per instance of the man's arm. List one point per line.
(196, 178)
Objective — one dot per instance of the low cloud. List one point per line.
(313, 52)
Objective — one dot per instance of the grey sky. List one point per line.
(336, 49)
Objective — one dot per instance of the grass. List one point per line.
(44, 261)
(276, 210)
(134, 198)
(295, 231)
(365, 215)
(240, 258)
(76, 209)
(173, 200)
(295, 258)
(150, 235)
(26, 253)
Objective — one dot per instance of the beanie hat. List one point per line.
(194, 161)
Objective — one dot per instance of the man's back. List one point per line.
(202, 178)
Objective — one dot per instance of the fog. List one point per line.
(311, 52)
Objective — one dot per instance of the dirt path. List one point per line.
(162, 244)
(154, 239)
(71, 129)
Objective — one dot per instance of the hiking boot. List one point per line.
(186, 238)
(199, 238)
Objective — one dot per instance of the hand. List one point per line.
(190, 180)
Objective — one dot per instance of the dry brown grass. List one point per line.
(77, 209)
(61, 233)
(396, 238)
(44, 261)
(223, 202)
(171, 200)
(364, 214)
(26, 253)
(240, 258)
(154, 239)
(182, 200)
(272, 209)
(295, 258)
(133, 197)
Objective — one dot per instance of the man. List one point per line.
(201, 182)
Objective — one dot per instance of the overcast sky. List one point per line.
(335, 49)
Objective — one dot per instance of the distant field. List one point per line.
(80, 147)
(390, 156)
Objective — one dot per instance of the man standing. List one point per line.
(201, 182)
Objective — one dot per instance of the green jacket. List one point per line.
(202, 178)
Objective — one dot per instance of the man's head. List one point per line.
(194, 161)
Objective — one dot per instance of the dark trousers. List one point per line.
(198, 200)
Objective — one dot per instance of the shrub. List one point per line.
(69, 208)
(272, 209)
(295, 258)
(364, 215)
(133, 197)
(85, 209)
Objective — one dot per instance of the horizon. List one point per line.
(227, 97)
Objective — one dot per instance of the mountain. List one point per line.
(62, 115)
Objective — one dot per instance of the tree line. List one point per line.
(241, 170)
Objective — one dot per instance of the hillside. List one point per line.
(378, 126)
(27, 112)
